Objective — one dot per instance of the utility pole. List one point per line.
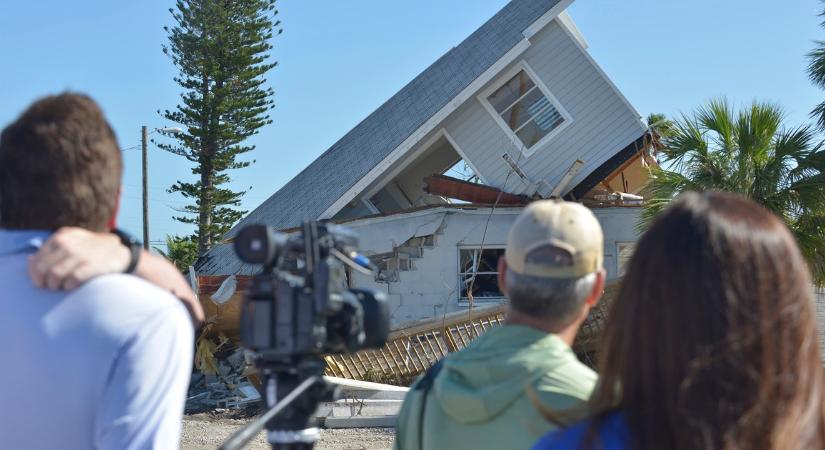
(144, 138)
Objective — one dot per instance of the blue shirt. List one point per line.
(105, 366)
(613, 434)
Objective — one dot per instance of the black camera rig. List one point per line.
(300, 307)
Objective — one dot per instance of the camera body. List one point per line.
(301, 306)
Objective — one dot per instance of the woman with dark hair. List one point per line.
(711, 342)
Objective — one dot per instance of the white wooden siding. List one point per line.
(603, 122)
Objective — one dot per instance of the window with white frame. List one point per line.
(478, 273)
(624, 251)
(525, 109)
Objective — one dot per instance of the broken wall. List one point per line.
(427, 286)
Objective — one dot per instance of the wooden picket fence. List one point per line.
(412, 349)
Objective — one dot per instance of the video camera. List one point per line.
(298, 308)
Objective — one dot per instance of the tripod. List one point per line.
(292, 396)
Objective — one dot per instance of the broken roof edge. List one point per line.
(475, 208)
(444, 207)
(629, 152)
(419, 210)
(641, 144)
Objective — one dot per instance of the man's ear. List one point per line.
(502, 275)
(113, 220)
(598, 289)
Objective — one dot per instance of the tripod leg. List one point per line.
(311, 384)
(295, 428)
(292, 446)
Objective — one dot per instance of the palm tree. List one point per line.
(816, 71)
(748, 152)
(659, 123)
(182, 251)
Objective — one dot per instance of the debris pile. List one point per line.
(220, 380)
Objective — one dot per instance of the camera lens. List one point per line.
(256, 244)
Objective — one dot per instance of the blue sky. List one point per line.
(338, 61)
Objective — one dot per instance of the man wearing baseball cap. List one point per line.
(478, 398)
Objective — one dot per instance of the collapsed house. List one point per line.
(432, 180)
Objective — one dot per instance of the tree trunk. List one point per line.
(205, 219)
(205, 210)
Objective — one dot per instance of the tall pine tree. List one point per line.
(220, 48)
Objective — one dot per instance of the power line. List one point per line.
(470, 297)
(244, 197)
(139, 187)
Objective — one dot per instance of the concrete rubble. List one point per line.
(362, 404)
(227, 388)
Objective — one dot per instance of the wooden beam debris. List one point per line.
(454, 188)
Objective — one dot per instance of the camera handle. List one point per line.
(298, 406)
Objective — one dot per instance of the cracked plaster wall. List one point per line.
(430, 288)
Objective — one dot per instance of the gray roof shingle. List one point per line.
(332, 174)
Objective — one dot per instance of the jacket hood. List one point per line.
(479, 382)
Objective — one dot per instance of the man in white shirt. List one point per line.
(104, 366)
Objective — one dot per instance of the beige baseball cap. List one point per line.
(555, 239)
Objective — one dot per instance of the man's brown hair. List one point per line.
(60, 165)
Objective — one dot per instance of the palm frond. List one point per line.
(818, 113)
(750, 153)
(687, 138)
(809, 231)
(717, 118)
(816, 64)
(663, 186)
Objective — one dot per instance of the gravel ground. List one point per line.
(204, 431)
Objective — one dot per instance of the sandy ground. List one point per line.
(202, 432)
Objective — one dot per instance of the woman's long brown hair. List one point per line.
(712, 341)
